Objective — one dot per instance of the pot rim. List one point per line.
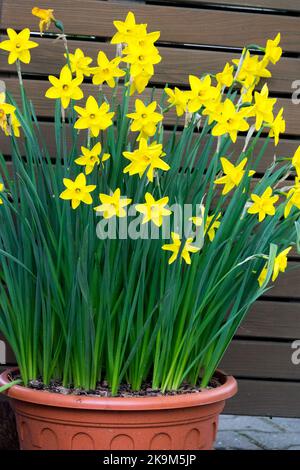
(91, 402)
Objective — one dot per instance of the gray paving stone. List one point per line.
(289, 424)
(240, 423)
(276, 440)
(232, 440)
(248, 432)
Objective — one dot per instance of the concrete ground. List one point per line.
(258, 433)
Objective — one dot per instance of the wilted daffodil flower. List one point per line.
(18, 45)
(46, 18)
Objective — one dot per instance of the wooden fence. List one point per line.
(196, 36)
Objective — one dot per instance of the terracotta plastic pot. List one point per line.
(47, 420)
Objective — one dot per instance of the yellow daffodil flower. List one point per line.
(252, 70)
(225, 78)
(210, 228)
(272, 51)
(79, 63)
(1, 191)
(46, 18)
(107, 70)
(13, 127)
(105, 157)
(77, 191)
(153, 210)
(139, 83)
(90, 158)
(65, 87)
(128, 29)
(233, 174)
(179, 99)
(293, 198)
(141, 59)
(145, 158)
(296, 161)
(247, 94)
(93, 117)
(144, 119)
(213, 109)
(262, 277)
(230, 121)
(7, 111)
(263, 205)
(147, 40)
(113, 205)
(201, 92)
(277, 127)
(263, 107)
(280, 265)
(18, 46)
(175, 247)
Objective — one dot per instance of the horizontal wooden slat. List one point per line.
(284, 148)
(175, 67)
(253, 359)
(187, 25)
(287, 284)
(290, 5)
(36, 91)
(272, 320)
(260, 359)
(265, 398)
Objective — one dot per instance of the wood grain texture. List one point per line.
(174, 69)
(270, 319)
(44, 107)
(285, 147)
(260, 359)
(265, 398)
(188, 26)
(282, 5)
